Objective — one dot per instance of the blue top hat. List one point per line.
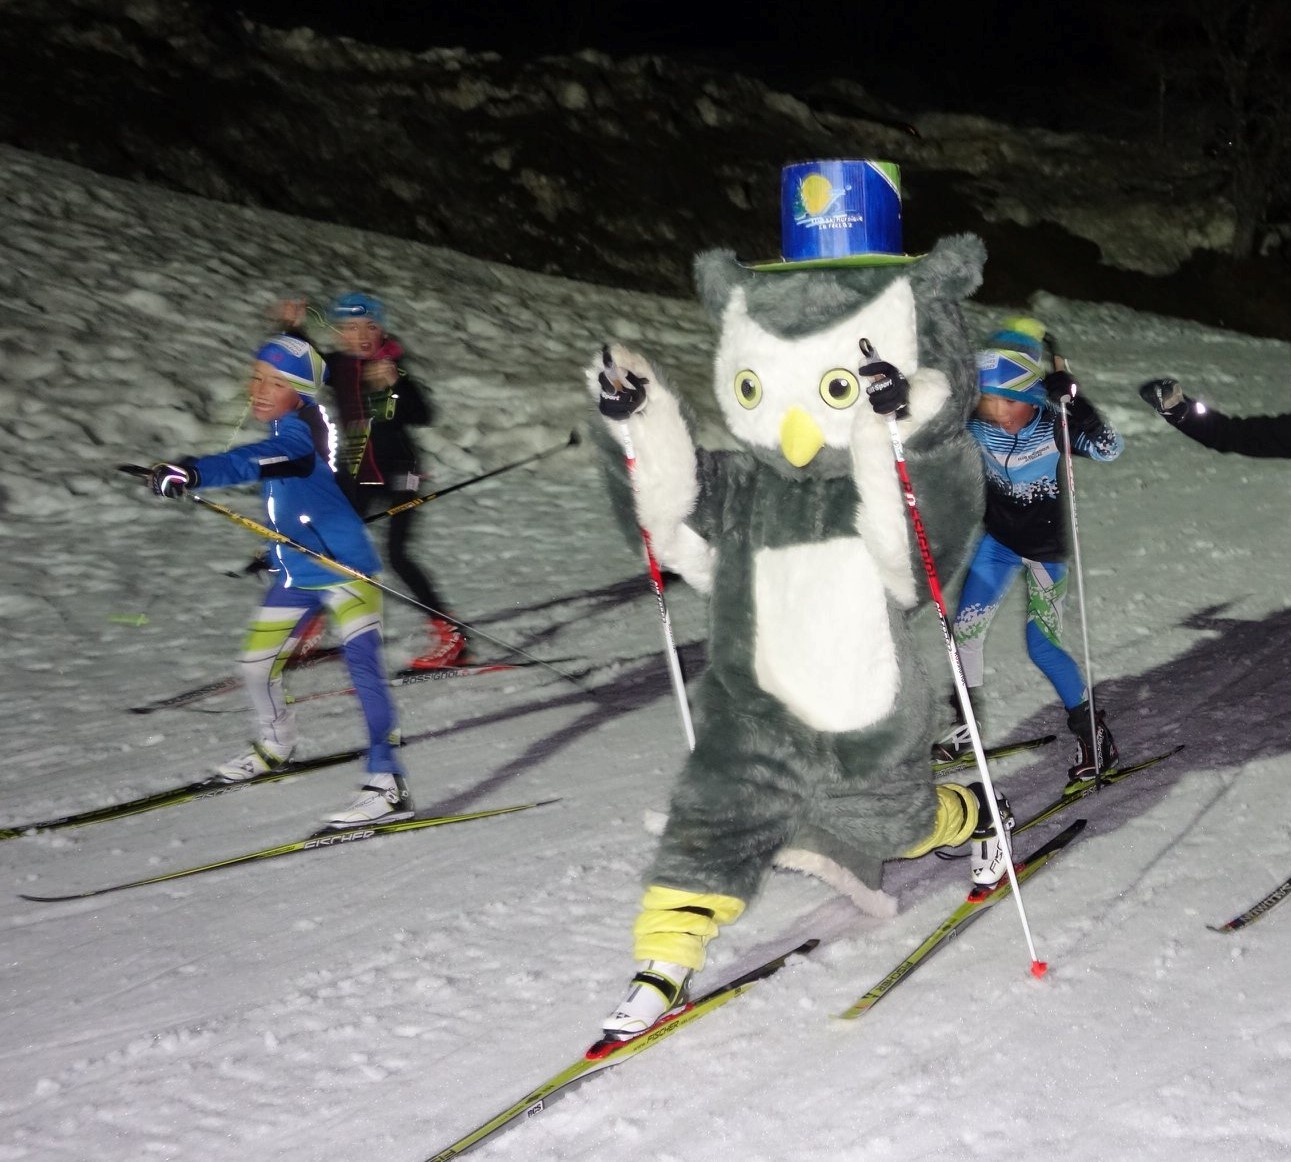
(839, 213)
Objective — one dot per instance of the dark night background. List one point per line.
(1137, 152)
(1052, 64)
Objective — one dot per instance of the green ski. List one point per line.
(607, 1054)
(315, 842)
(201, 789)
(970, 910)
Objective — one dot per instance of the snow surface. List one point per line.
(380, 1000)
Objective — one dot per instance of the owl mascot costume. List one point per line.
(814, 716)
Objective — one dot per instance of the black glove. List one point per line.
(622, 392)
(171, 480)
(1167, 397)
(888, 389)
(258, 564)
(1061, 387)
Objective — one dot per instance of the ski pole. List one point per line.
(265, 531)
(404, 506)
(1038, 966)
(1060, 364)
(652, 564)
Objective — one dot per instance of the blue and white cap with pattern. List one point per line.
(295, 360)
(1011, 363)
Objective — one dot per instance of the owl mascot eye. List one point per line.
(814, 716)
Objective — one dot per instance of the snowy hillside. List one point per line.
(381, 1000)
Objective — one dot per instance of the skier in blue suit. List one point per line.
(1017, 426)
(293, 467)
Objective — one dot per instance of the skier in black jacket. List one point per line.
(377, 462)
(1265, 436)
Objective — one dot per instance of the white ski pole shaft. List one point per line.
(1038, 967)
(1060, 364)
(656, 582)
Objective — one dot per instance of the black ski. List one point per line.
(315, 842)
(201, 789)
(1074, 795)
(412, 677)
(607, 1054)
(993, 752)
(1256, 910)
(227, 684)
(1108, 778)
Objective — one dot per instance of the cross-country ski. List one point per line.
(318, 841)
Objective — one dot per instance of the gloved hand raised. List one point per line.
(171, 480)
(622, 392)
(1167, 397)
(888, 389)
(1061, 387)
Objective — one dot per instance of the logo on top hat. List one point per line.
(839, 213)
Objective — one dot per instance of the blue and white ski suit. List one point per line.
(1026, 532)
(303, 502)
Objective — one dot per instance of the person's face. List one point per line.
(360, 337)
(271, 395)
(1010, 414)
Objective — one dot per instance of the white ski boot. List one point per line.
(657, 987)
(260, 761)
(384, 798)
(957, 741)
(988, 852)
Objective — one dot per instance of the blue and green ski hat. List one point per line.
(1011, 364)
(357, 305)
(295, 360)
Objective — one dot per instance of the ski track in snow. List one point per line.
(379, 1001)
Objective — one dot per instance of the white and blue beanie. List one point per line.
(295, 360)
(1011, 363)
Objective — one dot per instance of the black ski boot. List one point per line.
(1096, 751)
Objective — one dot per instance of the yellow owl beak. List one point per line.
(800, 437)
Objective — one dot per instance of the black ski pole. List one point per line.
(419, 500)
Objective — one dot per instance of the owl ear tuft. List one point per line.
(717, 275)
(952, 269)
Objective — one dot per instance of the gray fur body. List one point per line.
(814, 717)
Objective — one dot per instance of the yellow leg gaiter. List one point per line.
(676, 926)
(956, 820)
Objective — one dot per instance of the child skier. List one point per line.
(304, 503)
(1017, 427)
(378, 403)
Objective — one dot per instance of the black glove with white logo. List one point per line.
(888, 389)
(1167, 397)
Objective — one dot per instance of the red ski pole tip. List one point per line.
(1039, 968)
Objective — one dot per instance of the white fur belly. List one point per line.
(823, 644)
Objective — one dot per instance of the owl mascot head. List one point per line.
(814, 716)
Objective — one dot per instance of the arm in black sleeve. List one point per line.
(416, 406)
(1265, 436)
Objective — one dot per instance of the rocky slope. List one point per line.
(608, 170)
